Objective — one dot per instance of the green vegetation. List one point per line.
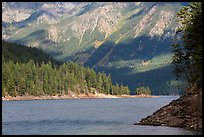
(129, 60)
(22, 54)
(26, 74)
(143, 90)
(162, 80)
(188, 46)
(140, 65)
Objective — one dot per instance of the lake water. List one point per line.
(84, 116)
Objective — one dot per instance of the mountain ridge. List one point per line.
(101, 33)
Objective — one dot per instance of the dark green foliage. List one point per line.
(29, 78)
(143, 90)
(22, 77)
(152, 78)
(188, 46)
(16, 53)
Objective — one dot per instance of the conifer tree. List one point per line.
(188, 46)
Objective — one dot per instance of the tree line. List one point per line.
(34, 78)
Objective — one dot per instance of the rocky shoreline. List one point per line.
(184, 112)
(74, 96)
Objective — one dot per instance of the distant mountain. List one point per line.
(130, 40)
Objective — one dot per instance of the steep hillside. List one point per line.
(126, 39)
(22, 54)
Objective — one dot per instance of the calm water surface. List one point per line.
(84, 116)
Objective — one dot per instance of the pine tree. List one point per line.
(99, 85)
(188, 47)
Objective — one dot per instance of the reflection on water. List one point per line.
(84, 116)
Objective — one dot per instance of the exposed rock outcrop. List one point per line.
(185, 112)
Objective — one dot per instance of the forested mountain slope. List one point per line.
(130, 40)
(29, 71)
(22, 54)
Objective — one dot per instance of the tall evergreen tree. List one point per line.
(188, 47)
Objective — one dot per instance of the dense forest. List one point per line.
(29, 71)
(23, 54)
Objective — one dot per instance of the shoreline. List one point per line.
(184, 112)
(79, 96)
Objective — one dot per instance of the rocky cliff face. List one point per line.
(80, 31)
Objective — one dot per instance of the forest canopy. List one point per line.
(30, 75)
